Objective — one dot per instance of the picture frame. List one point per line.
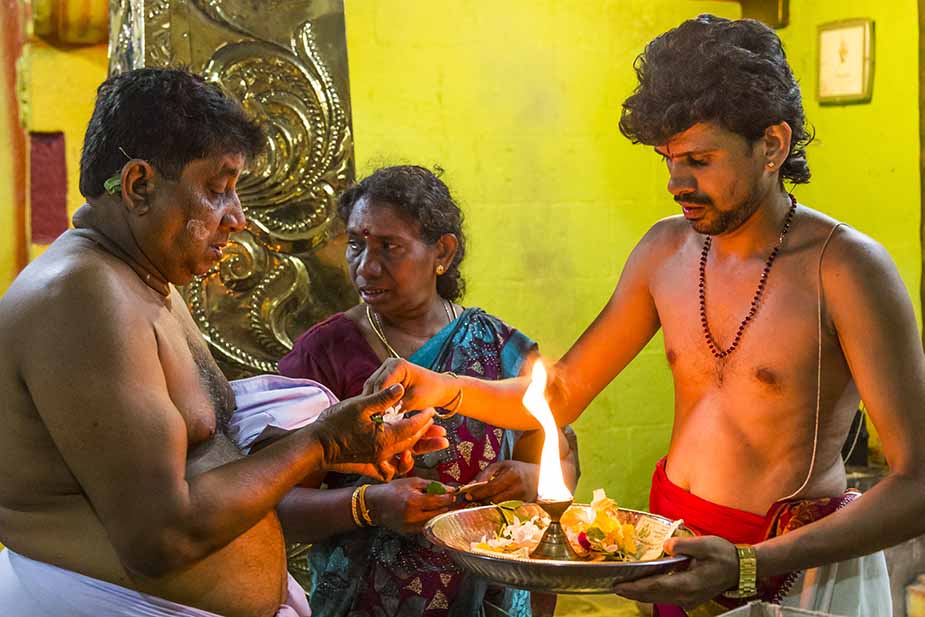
(845, 63)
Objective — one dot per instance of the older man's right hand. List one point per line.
(422, 388)
(349, 434)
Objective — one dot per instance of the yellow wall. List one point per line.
(13, 160)
(63, 90)
(519, 102)
(865, 160)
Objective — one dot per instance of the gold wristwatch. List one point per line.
(748, 573)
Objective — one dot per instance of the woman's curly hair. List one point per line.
(709, 69)
(425, 200)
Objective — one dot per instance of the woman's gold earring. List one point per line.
(440, 269)
(771, 164)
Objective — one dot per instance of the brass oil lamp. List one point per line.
(553, 496)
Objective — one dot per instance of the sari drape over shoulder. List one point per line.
(379, 572)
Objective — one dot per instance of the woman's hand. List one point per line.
(423, 388)
(404, 506)
(506, 480)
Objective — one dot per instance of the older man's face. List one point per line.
(195, 215)
(715, 176)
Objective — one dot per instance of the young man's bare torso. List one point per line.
(745, 425)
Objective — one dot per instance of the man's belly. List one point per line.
(247, 578)
(751, 476)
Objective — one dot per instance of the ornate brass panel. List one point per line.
(286, 61)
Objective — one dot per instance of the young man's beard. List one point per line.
(728, 220)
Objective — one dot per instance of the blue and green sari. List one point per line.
(377, 572)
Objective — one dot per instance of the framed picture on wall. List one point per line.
(846, 62)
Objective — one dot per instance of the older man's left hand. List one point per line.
(714, 568)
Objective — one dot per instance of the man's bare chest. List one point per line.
(767, 341)
(197, 387)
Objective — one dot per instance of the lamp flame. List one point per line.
(551, 485)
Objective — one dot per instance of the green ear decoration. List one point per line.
(113, 184)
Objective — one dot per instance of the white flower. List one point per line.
(526, 532)
(598, 496)
(501, 542)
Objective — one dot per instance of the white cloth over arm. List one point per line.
(271, 404)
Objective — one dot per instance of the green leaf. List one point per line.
(506, 508)
(435, 488)
(595, 533)
(511, 504)
(113, 184)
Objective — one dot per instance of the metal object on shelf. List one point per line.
(456, 530)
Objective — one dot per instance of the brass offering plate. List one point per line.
(455, 531)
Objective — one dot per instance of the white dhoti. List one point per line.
(30, 588)
(853, 588)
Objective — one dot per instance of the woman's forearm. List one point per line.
(310, 514)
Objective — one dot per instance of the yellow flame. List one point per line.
(551, 485)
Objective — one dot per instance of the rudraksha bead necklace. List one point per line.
(753, 310)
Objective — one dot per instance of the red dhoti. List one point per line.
(706, 518)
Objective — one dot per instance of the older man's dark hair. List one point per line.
(165, 116)
(425, 201)
(709, 69)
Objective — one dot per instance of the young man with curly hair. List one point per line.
(776, 319)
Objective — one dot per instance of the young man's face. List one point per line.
(716, 176)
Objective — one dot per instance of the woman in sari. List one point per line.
(404, 248)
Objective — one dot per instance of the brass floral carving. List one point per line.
(284, 272)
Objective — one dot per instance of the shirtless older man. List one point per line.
(120, 491)
(776, 319)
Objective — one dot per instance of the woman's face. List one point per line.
(392, 267)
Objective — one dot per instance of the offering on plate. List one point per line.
(553, 545)
(458, 531)
(597, 532)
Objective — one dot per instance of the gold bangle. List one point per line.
(354, 507)
(748, 573)
(456, 399)
(364, 510)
